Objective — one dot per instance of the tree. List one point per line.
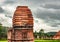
(3, 32)
(41, 33)
(0, 30)
(35, 34)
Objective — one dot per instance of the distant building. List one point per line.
(57, 36)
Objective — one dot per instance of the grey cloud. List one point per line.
(54, 6)
(52, 0)
(49, 17)
(9, 2)
(47, 14)
(1, 10)
(53, 24)
(34, 3)
(43, 1)
(7, 14)
(29, 1)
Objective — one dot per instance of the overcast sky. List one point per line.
(46, 13)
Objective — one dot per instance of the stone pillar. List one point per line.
(22, 26)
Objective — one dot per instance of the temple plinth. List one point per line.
(22, 30)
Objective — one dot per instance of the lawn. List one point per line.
(47, 40)
(3, 41)
(41, 41)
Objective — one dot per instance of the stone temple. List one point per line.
(22, 30)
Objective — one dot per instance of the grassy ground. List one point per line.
(47, 40)
(3, 41)
(41, 41)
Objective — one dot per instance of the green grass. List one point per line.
(47, 40)
(3, 41)
(41, 41)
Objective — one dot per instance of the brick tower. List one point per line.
(22, 30)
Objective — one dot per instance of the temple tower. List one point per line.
(22, 30)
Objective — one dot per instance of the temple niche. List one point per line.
(22, 30)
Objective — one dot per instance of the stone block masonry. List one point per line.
(22, 28)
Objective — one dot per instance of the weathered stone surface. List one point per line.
(22, 17)
(22, 26)
(57, 35)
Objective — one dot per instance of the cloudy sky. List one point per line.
(46, 13)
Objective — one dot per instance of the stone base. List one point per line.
(20, 35)
(19, 41)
